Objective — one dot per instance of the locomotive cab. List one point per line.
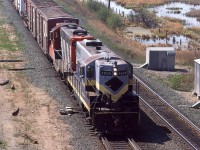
(107, 80)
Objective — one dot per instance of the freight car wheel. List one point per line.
(49, 59)
(69, 86)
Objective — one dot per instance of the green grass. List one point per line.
(5, 42)
(181, 82)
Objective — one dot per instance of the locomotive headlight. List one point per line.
(115, 71)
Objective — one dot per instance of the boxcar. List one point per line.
(43, 16)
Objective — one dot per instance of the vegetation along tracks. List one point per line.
(178, 123)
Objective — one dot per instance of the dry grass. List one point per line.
(131, 48)
(193, 13)
(134, 3)
(129, 3)
(171, 27)
(187, 57)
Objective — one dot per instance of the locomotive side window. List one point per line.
(90, 71)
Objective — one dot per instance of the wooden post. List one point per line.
(108, 4)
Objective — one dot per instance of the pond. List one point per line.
(177, 10)
(178, 42)
(117, 8)
(145, 37)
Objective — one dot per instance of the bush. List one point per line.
(181, 82)
(93, 5)
(144, 16)
(114, 21)
(103, 14)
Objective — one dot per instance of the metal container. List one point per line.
(160, 58)
(22, 7)
(197, 77)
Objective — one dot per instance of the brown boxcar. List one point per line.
(33, 6)
(43, 16)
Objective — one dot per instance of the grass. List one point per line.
(181, 82)
(132, 51)
(142, 3)
(8, 40)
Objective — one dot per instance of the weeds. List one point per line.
(181, 82)
(144, 16)
(7, 40)
(106, 15)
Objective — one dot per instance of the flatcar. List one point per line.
(100, 79)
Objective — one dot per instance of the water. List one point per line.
(178, 42)
(181, 42)
(118, 9)
(164, 11)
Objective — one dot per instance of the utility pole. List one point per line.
(108, 4)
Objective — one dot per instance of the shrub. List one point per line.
(181, 82)
(103, 14)
(144, 16)
(114, 21)
(93, 5)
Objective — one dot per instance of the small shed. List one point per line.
(197, 77)
(160, 58)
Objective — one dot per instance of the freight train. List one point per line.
(100, 79)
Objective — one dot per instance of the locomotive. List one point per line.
(100, 79)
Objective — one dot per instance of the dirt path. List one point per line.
(37, 125)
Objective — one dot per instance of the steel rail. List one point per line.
(160, 98)
(172, 108)
(133, 144)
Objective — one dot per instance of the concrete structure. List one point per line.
(160, 58)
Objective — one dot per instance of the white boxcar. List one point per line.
(20, 6)
(15, 2)
(160, 58)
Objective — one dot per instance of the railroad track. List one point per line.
(174, 120)
(119, 143)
